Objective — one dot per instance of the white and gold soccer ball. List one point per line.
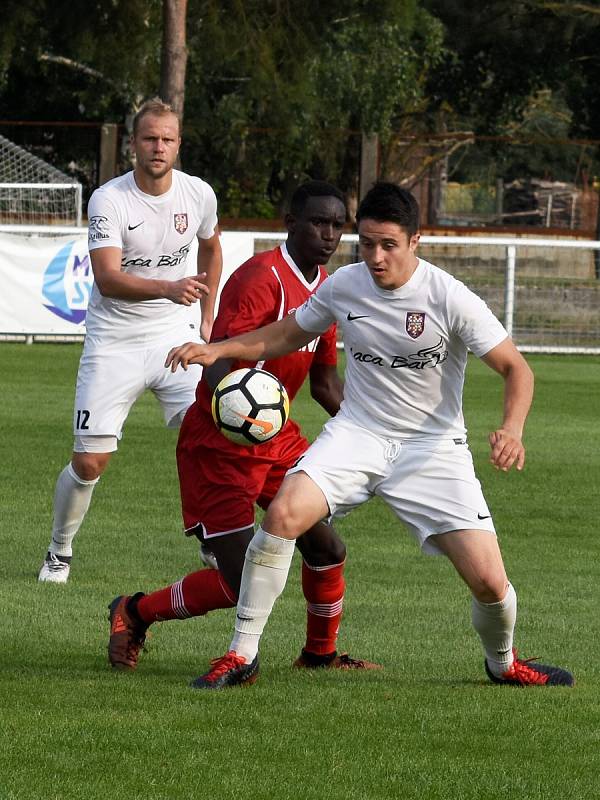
(250, 406)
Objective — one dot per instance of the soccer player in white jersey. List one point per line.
(400, 432)
(141, 228)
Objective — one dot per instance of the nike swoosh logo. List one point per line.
(243, 618)
(265, 426)
(484, 516)
(133, 227)
(351, 317)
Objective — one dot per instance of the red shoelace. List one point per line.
(522, 672)
(219, 666)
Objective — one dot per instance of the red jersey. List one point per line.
(265, 289)
(221, 481)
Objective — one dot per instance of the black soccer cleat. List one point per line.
(229, 670)
(529, 673)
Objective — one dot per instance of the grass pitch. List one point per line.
(428, 726)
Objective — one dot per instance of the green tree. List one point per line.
(504, 57)
(281, 91)
(79, 60)
(278, 90)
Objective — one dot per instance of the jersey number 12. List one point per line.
(82, 419)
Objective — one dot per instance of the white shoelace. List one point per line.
(55, 564)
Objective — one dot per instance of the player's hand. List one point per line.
(507, 450)
(187, 290)
(191, 353)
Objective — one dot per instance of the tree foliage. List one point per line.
(527, 69)
(279, 90)
(78, 59)
(285, 89)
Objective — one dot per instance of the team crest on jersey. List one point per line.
(415, 324)
(181, 222)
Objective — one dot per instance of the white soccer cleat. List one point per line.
(207, 557)
(54, 570)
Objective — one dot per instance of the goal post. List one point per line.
(41, 203)
(33, 192)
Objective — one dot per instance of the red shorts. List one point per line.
(220, 482)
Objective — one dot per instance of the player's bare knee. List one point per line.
(334, 552)
(321, 546)
(283, 518)
(489, 588)
(337, 551)
(89, 466)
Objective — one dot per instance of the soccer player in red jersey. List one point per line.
(221, 482)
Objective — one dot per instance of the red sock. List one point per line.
(192, 596)
(323, 589)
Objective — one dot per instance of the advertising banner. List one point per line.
(45, 282)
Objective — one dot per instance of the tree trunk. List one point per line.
(173, 55)
(369, 162)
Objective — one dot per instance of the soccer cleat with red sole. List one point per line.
(342, 661)
(527, 672)
(229, 670)
(127, 635)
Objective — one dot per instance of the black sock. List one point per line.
(131, 607)
(318, 660)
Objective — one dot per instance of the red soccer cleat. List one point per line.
(127, 635)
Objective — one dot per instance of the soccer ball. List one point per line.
(250, 406)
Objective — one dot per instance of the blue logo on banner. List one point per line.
(68, 281)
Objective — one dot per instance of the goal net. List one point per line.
(33, 192)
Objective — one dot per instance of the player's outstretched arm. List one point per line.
(506, 441)
(112, 282)
(262, 344)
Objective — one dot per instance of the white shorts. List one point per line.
(113, 375)
(430, 485)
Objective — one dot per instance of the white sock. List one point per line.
(495, 624)
(72, 498)
(266, 568)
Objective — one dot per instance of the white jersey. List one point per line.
(154, 234)
(406, 348)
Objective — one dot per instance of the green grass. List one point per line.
(428, 726)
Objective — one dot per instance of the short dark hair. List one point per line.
(388, 202)
(156, 107)
(313, 189)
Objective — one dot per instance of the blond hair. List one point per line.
(154, 106)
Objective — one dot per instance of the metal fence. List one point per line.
(545, 291)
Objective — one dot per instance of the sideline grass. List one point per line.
(428, 726)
